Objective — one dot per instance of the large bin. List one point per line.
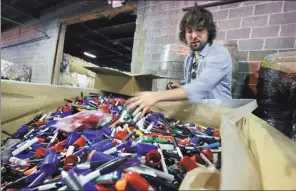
(255, 155)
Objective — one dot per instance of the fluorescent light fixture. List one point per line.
(89, 55)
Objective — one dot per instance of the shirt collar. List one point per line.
(204, 51)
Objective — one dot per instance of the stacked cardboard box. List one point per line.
(74, 74)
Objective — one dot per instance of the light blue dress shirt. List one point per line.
(214, 74)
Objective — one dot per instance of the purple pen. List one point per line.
(103, 145)
(143, 148)
(95, 156)
(47, 168)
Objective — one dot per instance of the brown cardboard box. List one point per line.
(255, 155)
(121, 82)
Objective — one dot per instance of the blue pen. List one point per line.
(200, 133)
(210, 146)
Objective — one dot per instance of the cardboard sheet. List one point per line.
(124, 83)
(21, 101)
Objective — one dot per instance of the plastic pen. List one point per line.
(53, 139)
(43, 187)
(108, 167)
(177, 147)
(156, 181)
(163, 164)
(72, 181)
(118, 147)
(25, 146)
(150, 171)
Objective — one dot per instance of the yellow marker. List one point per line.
(138, 132)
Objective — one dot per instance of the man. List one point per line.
(207, 68)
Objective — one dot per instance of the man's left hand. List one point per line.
(144, 100)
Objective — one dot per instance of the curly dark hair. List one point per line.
(200, 17)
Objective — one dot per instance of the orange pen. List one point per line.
(31, 170)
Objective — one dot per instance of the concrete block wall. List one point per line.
(38, 55)
(259, 27)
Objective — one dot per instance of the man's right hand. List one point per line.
(172, 85)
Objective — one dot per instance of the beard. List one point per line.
(200, 45)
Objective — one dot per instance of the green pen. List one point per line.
(146, 139)
(156, 140)
(175, 130)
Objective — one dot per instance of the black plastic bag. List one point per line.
(276, 97)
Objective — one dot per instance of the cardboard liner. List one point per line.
(21, 101)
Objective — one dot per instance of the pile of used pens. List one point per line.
(95, 143)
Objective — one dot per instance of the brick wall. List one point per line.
(259, 27)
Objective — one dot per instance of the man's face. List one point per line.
(196, 37)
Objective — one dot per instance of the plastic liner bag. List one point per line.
(5, 69)
(83, 120)
(276, 98)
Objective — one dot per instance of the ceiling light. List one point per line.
(89, 55)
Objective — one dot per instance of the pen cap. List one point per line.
(21, 131)
(121, 184)
(70, 161)
(80, 142)
(95, 156)
(187, 164)
(50, 162)
(209, 131)
(153, 158)
(208, 153)
(195, 141)
(120, 135)
(197, 159)
(137, 181)
(143, 148)
(216, 134)
(152, 118)
(40, 152)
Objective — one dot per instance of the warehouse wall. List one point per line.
(40, 55)
(259, 27)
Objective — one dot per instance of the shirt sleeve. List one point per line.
(215, 70)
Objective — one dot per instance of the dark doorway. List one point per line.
(106, 42)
